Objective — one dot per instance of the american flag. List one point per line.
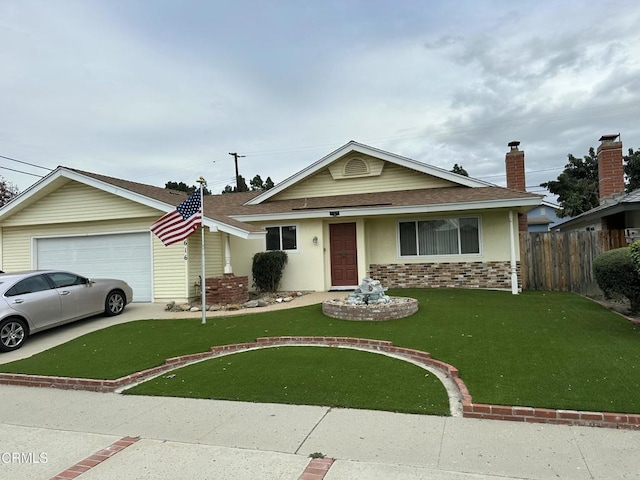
(178, 224)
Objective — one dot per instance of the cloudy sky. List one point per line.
(160, 90)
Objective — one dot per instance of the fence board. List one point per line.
(563, 261)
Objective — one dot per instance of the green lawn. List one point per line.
(308, 375)
(543, 349)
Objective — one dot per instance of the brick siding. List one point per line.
(444, 274)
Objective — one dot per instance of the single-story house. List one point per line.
(357, 212)
(617, 210)
(543, 217)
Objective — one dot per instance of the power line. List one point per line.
(20, 171)
(25, 163)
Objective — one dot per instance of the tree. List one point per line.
(258, 184)
(632, 169)
(183, 187)
(577, 186)
(7, 191)
(459, 170)
(242, 186)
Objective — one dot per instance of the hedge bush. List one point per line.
(267, 270)
(617, 276)
(635, 255)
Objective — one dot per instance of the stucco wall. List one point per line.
(382, 239)
(304, 270)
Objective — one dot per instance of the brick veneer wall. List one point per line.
(444, 274)
(227, 289)
(400, 308)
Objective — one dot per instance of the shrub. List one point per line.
(634, 248)
(267, 270)
(617, 276)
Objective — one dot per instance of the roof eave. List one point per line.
(522, 204)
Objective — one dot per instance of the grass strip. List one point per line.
(307, 375)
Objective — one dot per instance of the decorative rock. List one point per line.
(234, 306)
(194, 309)
(185, 307)
(251, 304)
(262, 302)
(287, 299)
(214, 308)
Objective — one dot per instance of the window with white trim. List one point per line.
(444, 236)
(283, 237)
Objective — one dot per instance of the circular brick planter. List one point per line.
(399, 307)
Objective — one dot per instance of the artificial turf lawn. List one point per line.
(542, 349)
(307, 375)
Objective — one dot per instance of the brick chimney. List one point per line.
(610, 166)
(514, 162)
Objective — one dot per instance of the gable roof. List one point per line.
(162, 199)
(230, 212)
(356, 147)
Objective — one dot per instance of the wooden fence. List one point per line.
(564, 260)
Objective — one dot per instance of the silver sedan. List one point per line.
(37, 300)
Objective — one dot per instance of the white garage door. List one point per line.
(126, 256)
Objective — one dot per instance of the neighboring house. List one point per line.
(357, 212)
(617, 210)
(543, 217)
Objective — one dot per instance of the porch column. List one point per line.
(512, 245)
(227, 254)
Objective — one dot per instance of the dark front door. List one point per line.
(344, 255)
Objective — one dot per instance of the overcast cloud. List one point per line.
(160, 90)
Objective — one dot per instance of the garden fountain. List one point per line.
(370, 302)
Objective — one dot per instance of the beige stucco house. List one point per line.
(356, 212)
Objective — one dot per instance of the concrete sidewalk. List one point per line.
(46, 432)
(209, 439)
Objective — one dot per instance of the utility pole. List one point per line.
(235, 158)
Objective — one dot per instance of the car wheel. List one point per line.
(13, 333)
(114, 305)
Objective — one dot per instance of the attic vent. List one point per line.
(356, 166)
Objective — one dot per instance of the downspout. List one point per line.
(514, 269)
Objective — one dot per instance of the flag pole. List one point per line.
(203, 289)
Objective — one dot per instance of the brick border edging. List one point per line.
(95, 459)
(469, 409)
(317, 469)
